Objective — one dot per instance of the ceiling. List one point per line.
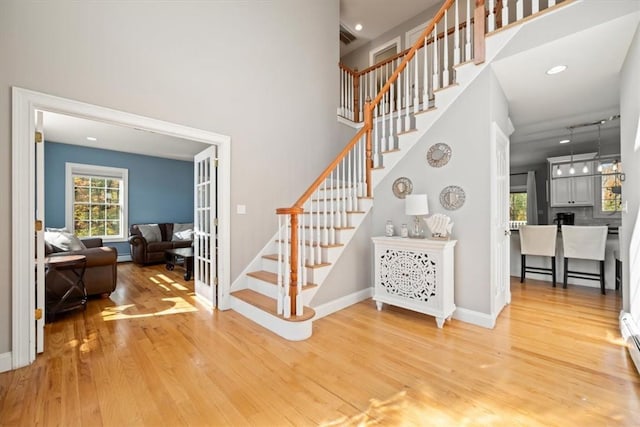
(377, 17)
(74, 130)
(590, 37)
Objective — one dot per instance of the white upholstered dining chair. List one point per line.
(584, 242)
(538, 240)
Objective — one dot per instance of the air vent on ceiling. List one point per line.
(345, 35)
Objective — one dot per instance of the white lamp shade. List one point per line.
(416, 204)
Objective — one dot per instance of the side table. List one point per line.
(70, 269)
(416, 274)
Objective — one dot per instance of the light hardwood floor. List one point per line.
(152, 355)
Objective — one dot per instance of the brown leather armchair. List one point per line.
(101, 274)
(143, 252)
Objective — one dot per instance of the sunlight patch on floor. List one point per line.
(173, 305)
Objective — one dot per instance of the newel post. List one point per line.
(479, 32)
(356, 95)
(368, 124)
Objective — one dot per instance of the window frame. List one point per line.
(597, 205)
(75, 169)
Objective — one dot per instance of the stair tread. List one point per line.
(335, 228)
(274, 257)
(349, 212)
(269, 305)
(269, 277)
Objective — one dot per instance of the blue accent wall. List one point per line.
(160, 190)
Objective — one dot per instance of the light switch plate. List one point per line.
(241, 209)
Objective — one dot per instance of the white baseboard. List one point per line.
(343, 302)
(630, 331)
(124, 258)
(475, 317)
(5, 362)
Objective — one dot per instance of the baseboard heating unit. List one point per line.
(631, 336)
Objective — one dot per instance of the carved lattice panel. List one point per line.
(407, 274)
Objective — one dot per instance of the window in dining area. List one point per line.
(517, 209)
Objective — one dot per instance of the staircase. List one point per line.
(278, 286)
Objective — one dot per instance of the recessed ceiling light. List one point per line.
(557, 69)
(564, 141)
(92, 138)
(358, 27)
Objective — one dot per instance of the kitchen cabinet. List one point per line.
(571, 190)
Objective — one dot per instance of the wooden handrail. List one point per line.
(316, 184)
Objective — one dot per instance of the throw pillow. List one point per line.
(183, 235)
(150, 232)
(182, 231)
(63, 241)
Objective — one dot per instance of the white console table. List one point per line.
(416, 274)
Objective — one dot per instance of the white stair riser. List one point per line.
(292, 331)
(264, 288)
(342, 203)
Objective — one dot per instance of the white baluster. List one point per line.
(535, 6)
(375, 134)
(280, 293)
(425, 76)
(505, 13)
(322, 222)
(302, 270)
(331, 215)
(467, 37)
(311, 222)
(416, 83)
(436, 69)
(399, 96)
(287, 271)
(343, 197)
(445, 52)
(491, 21)
(456, 36)
(349, 170)
(341, 106)
(407, 95)
(335, 200)
(519, 10)
(383, 140)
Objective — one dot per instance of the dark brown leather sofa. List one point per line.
(144, 253)
(101, 272)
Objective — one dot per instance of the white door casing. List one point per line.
(205, 266)
(23, 198)
(39, 216)
(500, 234)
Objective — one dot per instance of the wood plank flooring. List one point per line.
(152, 355)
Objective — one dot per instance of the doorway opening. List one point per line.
(25, 104)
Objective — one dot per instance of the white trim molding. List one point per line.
(341, 303)
(24, 105)
(5, 361)
(630, 331)
(384, 46)
(121, 174)
(475, 317)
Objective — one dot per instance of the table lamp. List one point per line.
(417, 206)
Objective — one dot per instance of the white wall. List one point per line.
(359, 58)
(242, 69)
(630, 151)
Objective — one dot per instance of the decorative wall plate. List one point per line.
(452, 197)
(438, 155)
(401, 187)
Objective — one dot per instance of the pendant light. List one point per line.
(572, 170)
(599, 163)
